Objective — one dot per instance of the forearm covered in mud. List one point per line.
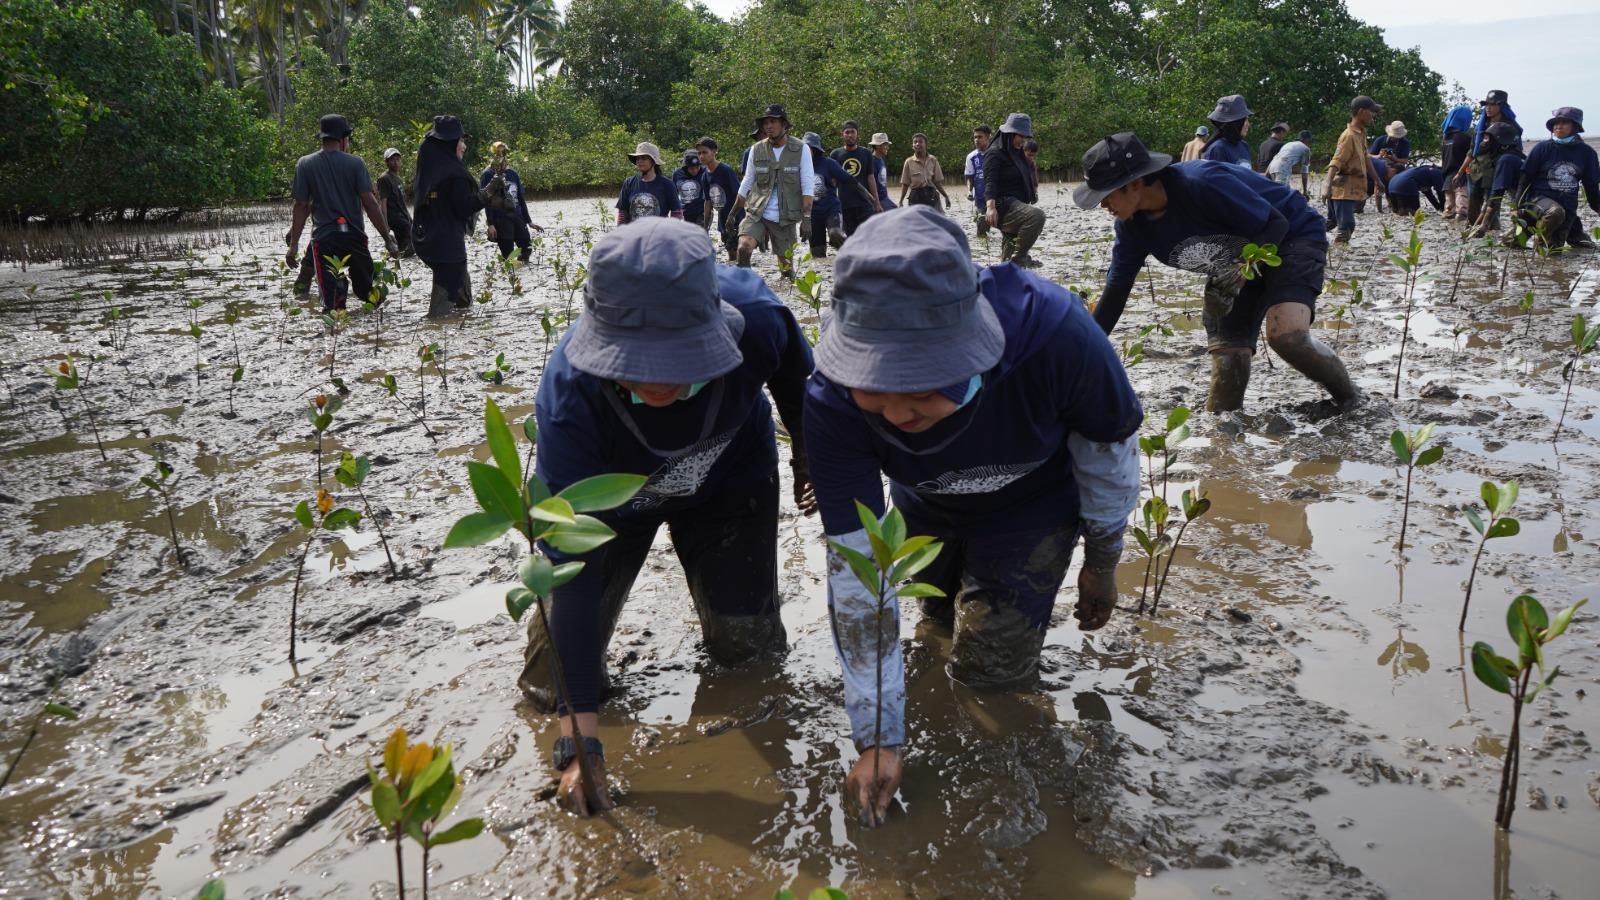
(856, 620)
(1108, 489)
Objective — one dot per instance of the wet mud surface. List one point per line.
(1296, 721)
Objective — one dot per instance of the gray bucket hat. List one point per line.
(907, 315)
(646, 148)
(812, 139)
(1112, 163)
(1570, 113)
(652, 310)
(1231, 108)
(1018, 123)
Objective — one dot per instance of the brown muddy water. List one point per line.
(1295, 722)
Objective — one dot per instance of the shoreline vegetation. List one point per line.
(130, 109)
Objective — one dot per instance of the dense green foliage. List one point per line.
(632, 70)
(104, 114)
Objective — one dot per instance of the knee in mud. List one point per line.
(1289, 343)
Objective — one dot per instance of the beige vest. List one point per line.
(782, 176)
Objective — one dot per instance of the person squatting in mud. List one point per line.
(447, 199)
(333, 189)
(660, 377)
(1007, 428)
(1500, 151)
(1198, 216)
(508, 228)
(1555, 169)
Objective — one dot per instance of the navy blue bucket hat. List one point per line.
(1570, 113)
(652, 311)
(907, 314)
(1231, 108)
(1018, 123)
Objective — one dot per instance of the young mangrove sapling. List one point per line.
(157, 481)
(326, 517)
(320, 412)
(51, 709)
(417, 789)
(1497, 500)
(352, 473)
(1411, 265)
(69, 379)
(1584, 337)
(1409, 452)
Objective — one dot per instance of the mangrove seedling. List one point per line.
(393, 387)
(1253, 257)
(548, 327)
(895, 559)
(195, 332)
(290, 309)
(1497, 500)
(513, 499)
(1526, 306)
(417, 789)
(496, 373)
(1409, 452)
(1165, 444)
(118, 326)
(52, 710)
(230, 314)
(327, 516)
(431, 353)
(1195, 505)
(1411, 265)
(212, 890)
(334, 322)
(157, 481)
(352, 473)
(1153, 540)
(1530, 628)
(68, 379)
(320, 412)
(1584, 337)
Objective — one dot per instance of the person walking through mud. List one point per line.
(858, 161)
(1453, 151)
(880, 145)
(1501, 152)
(724, 188)
(1011, 192)
(1294, 156)
(508, 228)
(1196, 147)
(777, 189)
(392, 192)
(1007, 429)
(333, 189)
(973, 172)
(660, 377)
(1494, 108)
(1231, 119)
(693, 184)
(827, 224)
(1350, 171)
(921, 176)
(1555, 169)
(447, 199)
(648, 193)
(1198, 216)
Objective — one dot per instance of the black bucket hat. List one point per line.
(447, 128)
(812, 139)
(907, 314)
(1570, 113)
(1231, 108)
(773, 111)
(1495, 97)
(1112, 163)
(652, 309)
(332, 127)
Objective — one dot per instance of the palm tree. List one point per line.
(532, 25)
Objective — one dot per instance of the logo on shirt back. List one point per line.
(684, 474)
(978, 479)
(643, 205)
(1210, 254)
(688, 192)
(1563, 177)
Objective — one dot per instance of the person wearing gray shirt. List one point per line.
(333, 188)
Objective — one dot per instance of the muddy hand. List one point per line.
(572, 795)
(805, 497)
(1097, 598)
(873, 799)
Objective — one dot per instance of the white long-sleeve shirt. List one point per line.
(807, 179)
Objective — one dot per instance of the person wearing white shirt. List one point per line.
(779, 182)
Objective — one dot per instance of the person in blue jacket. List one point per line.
(827, 221)
(1500, 152)
(508, 228)
(1007, 429)
(1411, 186)
(1198, 216)
(1550, 179)
(1495, 108)
(663, 376)
(1230, 123)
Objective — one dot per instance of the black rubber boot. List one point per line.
(744, 257)
(1230, 375)
(1317, 361)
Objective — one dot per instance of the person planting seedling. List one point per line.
(660, 378)
(1007, 428)
(1201, 216)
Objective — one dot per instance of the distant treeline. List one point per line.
(118, 105)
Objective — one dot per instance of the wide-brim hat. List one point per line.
(646, 148)
(879, 139)
(812, 139)
(1396, 129)
(652, 309)
(907, 315)
(1231, 108)
(1018, 123)
(332, 127)
(773, 111)
(1113, 163)
(447, 128)
(1570, 113)
(1495, 97)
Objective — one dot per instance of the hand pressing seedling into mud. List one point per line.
(875, 778)
(512, 498)
(1531, 628)
(326, 516)
(1409, 452)
(413, 795)
(1497, 500)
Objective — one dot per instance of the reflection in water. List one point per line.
(1403, 658)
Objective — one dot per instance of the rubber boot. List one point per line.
(1343, 237)
(1008, 245)
(1230, 375)
(1317, 361)
(744, 256)
(1552, 225)
(439, 303)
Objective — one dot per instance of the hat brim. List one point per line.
(1550, 123)
(634, 158)
(1088, 198)
(679, 356)
(911, 365)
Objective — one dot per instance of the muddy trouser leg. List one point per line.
(1026, 221)
(359, 269)
(819, 232)
(1298, 280)
(614, 566)
(1344, 215)
(981, 221)
(308, 270)
(853, 217)
(1006, 587)
(401, 229)
(335, 289)
(1549, 220)
(524, 238)
(1476, 194)
(452, 288)
(1230, 361)
(729, 550)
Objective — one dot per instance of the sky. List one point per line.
(1541, 61)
